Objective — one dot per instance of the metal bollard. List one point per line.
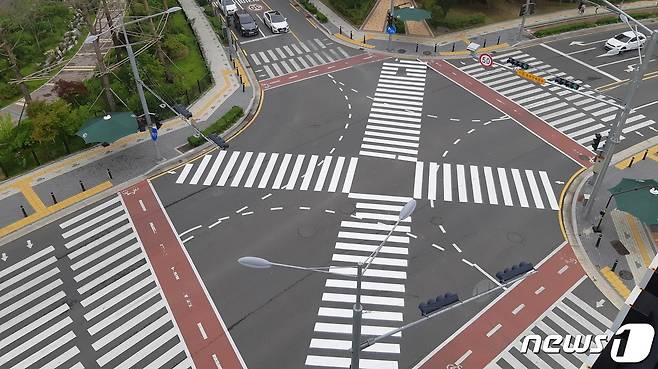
(631, 162)
(24, 212)
(82, 185)
(52, 195)
(364, 39)
(484, 44)
(434, 47)
(645, 154)
(109, 174)
(416, 46)
(453, 47)
(598, 241)
(614, 266)
(350, 34)
(340, 29)
(498, 42)
(242, 87)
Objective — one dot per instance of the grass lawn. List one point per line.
(355, 15)
(193, 66)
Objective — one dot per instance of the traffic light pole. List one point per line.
(525, 12)
(357, 312)
(616, 131)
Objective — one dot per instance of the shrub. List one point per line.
(71, 91)
(219, 126)
(460, 21)
(175, 48)
(564, 28)
(321, 17)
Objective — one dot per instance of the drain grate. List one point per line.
(625, 275)
(402, 51)
(427, 52)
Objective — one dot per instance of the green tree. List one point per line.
(52, 121)
(6, 127)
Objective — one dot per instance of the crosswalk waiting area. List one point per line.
(393, 127)
(495, 186)
(577, 116)
(113, 309)
(271, 170)
(295, 56)
(383, 286)
(570, 316)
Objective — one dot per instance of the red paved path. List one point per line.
(555, 280)
(535, 125)
(322, 69)
(182, 287)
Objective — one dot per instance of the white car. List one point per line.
(628, 40)
(227, 7)
(275, 21)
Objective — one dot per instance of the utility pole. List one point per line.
(105, 80)
(390, 36)
(526, 10)
(5, 44)
(616, 130)
(357, 312)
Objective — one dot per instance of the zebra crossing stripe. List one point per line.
(308, 175)
(520, 190)
(229, 167)
(323, 173)
(214, 168)
(536, 196)
(447, 182)
(507, 196)
(461, 184)
(475, 181)
(202, 167)
(268, 170)
(491, 188)
(254, 171)
(418, 181)
(297, 167)
(282, 171)
(183, 174)
(333, 184)
(351, 169)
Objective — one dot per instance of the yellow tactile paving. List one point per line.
(615, 282)
(355, 42)
(31, 197)
(45, 211)
(652, 153)
(242, 73)
(635, 232)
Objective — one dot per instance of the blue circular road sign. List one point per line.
(154, 133)
(390, 29)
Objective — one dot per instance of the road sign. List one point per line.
(154, 133)
(255, 7)
(531, 77)
(486, 60)
(391, 30)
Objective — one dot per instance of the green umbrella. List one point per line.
(108, 128)
(638, 197)
(411, 14)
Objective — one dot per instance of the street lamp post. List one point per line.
(526, 9)
(357, 309)
(616, 130)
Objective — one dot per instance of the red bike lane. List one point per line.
(532, 123)
(480, 341)
(204, 333)
(319, 70)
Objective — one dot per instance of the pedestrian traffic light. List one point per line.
(566, 83)
(513, 272)
(527, 9)
(141, 123)
(390, 20)
(596, 141)
(440, 302)
(518, 63)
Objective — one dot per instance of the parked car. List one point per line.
(628, 40)
(275, 21)
(245, 23)
(227, 7)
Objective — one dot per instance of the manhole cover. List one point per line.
(625, 275)
(402, 51)
(427, 52)
(583, 157)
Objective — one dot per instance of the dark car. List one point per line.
(245, 23)
(218, 140)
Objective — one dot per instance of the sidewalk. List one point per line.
(76, 178)
(490, 37)
(626, 247)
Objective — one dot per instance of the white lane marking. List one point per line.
(187, 239)
(461, 183)
(266, 196)
(329, 211)
(152, 227)
(494, 330)
(447, 182)
(202, 331)
(438, 247)
(463, 357)
(539, 290)
(442, 229)
(247, 213)
(581, 63)
(241, 209)
(563, 269)
(189, 230)
(475, 183)
(304, 208)
(517, 309)
(456, 247)
(199, 172)
(276, 208)
(141, 204)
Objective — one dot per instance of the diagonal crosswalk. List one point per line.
(272, 170)
(295, 56)
(475, 184)
(393, 128)
(571, 315)
(383, 286)
(96, 295)
(578, 117)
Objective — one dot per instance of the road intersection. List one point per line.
(342, 140)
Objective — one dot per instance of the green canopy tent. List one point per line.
(638, 197)
(411, 14)
(108, 128)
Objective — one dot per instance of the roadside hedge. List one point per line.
(458, 21)
(313, 10)
(219, 126)
(588, 24)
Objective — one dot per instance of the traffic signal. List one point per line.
(141, 123)
(530, 9)
(513, 272)
(566, 83)
(440, 302)
(389, 19)
(596, 141)
(518, 63)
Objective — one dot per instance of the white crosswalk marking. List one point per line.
(494, 182)
(555, 105)
(35, 318)
(570, 315)
(383, 285)
(395, 114)
(292, 172)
